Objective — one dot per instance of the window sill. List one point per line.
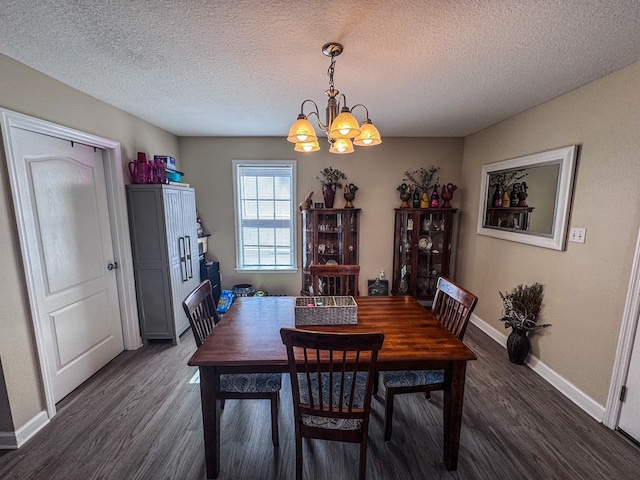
(267, 269)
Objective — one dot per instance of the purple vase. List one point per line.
(329, 196)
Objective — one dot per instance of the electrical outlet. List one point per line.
(578, 235)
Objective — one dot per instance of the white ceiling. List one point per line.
(243, 68)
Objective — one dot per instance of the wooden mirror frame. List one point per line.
(566, 158)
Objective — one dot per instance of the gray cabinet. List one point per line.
(164, 241)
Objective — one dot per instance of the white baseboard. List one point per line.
(565, 387)
(14, 440)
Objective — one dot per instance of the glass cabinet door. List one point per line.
(432, 252)
(307, 247)
(329, 237)
(402, 267)
(422, 252)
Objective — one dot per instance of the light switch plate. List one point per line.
(578, 235)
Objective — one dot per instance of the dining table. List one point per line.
(247, 340)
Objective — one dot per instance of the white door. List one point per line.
(630, 409)
(64, 203)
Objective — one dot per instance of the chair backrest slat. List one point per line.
(342, 363)
(452, 306)
(200, 308)
(335, 279)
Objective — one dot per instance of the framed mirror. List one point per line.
(527, 199)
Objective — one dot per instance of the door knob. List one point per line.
(112, 266)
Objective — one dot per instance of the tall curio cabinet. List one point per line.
(329, 236)
(422, 250)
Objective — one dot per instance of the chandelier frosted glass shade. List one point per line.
(341, 146)
(345, 126)
(369, 135)
(307, 147)
(302, 131)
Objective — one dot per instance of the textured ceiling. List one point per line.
(243, 68)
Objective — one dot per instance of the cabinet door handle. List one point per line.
(189, 257)
(183, 260)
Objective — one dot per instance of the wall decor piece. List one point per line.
(545, 180)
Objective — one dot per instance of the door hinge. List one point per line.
(623, 393)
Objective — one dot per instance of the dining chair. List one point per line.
(452, 306)
(332, 384)
(335, 279)
(200, 308)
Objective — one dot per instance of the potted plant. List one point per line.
(422, 181)
(330, 181)
(521, 307)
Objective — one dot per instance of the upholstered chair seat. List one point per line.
(412, 378)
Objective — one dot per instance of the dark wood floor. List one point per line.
(139, 418)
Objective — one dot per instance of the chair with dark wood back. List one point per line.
(203, 317)
(332, 384)
(335, 279)
(201, 310)
(452, 306)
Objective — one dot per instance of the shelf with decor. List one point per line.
(509, 217)
(423, 239)
(329, 236)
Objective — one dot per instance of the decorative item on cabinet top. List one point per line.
(419, 184)
(422, 179)
(447, 194)
(162, 169)
(349, 194)
(330, 181)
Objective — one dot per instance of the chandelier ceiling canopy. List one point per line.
(341, 127)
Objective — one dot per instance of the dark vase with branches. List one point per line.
(331, 180)
(521, 307)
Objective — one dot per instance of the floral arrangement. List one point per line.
(331, 178)
(422, 179)
(521, 307)
(507, 179)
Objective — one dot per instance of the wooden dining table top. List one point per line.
(248, 336)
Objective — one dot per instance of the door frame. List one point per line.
(116, 200)
(626, 339)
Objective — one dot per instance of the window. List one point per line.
(265, 217)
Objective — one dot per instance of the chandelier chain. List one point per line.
(330, 71)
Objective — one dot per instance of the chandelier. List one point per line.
(342, 129)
